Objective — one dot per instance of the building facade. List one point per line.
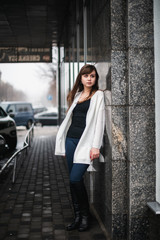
(118, 36)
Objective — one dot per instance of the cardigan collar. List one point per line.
(78, 94)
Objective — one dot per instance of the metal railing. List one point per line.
(20, 152)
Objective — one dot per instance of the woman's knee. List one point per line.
(74, 178)
(77, 172)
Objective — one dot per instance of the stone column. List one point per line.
(133, 116)
(119, 109)
(141, 117)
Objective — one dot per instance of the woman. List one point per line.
(80, 137)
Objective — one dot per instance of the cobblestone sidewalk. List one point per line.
(38, 205)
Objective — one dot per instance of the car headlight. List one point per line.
(10, 124)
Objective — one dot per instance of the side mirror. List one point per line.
(10, 111)
(11, 115)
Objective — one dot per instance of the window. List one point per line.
(2, 113)
(11, 109)
(24, 108)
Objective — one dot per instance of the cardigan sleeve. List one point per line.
(100, 124)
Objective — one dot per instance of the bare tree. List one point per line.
(47, 71)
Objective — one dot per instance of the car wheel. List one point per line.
(29, 124)
(12, 143)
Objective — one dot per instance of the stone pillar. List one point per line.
(141, 117)
(133, 116)
(119, 112)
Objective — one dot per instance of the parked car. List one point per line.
(8, 129)
(21, 112)
(38, 109)
(46, 118)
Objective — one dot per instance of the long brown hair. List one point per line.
(78, 86)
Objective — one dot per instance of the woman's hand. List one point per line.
(94, 153)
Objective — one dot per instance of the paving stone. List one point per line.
(47, 224)
(35, 230)
(23, 236)
(73, 237)
(47, 230)
(47, 219)
(36, 225)
(35, 236)
(10, 238)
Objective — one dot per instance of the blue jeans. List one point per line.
(76, 170)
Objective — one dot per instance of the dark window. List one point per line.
(2, 113)
(49, 115)
(23, 108)
(53, 115)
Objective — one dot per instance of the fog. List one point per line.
(34, 79)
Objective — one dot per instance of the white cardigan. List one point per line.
(93, 133)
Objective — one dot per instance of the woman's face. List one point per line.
(88, 80)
